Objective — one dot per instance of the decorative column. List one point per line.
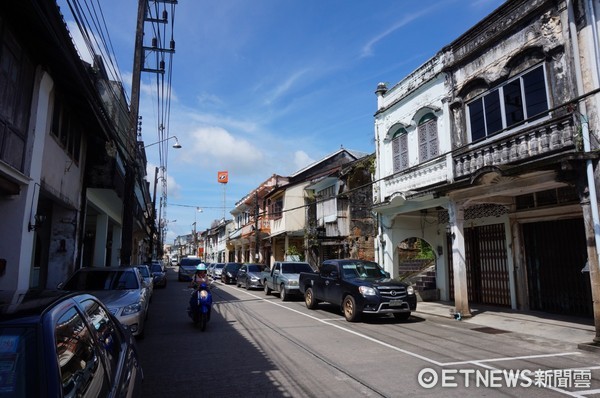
(459, 263)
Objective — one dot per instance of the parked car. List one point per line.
(283, 278)
(250, 276)
(217, 270)
(61, 344)
(174, 261)
(187, 268)
(147, 279)
(120, 289)
(229, 272)
(358, 287)
(159, 274)
(209, 268)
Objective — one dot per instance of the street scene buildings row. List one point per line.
(488, 152)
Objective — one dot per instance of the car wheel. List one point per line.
(282, 294)
(309, 299)
(349, 307)
(238, 284)
(267, 289)
(402, 316)
(247, 285)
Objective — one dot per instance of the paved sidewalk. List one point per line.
(567, 329)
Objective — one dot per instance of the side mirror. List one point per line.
(60, 285)
(334, 275)
(387, 274)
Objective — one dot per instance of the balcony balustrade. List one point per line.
(542, 140)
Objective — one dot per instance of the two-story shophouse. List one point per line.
(215, 241)
(488, 153)
(61, 152)
(251, 224)
(339, 220)
(293, 230)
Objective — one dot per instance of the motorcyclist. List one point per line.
(200, 279)
(200, 276)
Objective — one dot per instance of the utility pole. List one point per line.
(256, 234)
(153, 218)
(130, 167)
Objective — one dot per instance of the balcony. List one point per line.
(544, 139)
(430, 173)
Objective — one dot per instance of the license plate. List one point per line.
(396, 303)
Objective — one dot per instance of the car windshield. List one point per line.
(144, 271)
(255, 268)
(362, 270)
(295, 268)
(103, 280)
(18, 357)
(190, 262)
(219, 266)
(156, 268)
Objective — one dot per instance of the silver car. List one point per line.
(147, 278)
(121, 290)
(250, 276)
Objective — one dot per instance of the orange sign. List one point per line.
(223, 177)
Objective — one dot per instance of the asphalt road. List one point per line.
(258, 346)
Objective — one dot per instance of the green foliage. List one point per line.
(425, 250)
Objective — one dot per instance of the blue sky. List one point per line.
(264, 87)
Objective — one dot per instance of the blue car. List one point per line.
(68, 343)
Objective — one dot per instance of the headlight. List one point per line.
(254, 279)
(367, 291)
(132, 309)
(410, 290)
(292, 283)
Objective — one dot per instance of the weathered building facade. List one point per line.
(62, 154)
(251, 224)
(305, 231)
(489, 153)
(338, 212)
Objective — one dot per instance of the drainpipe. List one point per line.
(380, 92)
(589, 165)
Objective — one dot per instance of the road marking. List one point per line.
(478, 362)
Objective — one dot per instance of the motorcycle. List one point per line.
(200, 306)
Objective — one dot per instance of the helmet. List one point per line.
(201, 267)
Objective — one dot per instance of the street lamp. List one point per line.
(176, 145)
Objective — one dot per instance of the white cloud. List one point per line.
(217, 147)
(367, 49)
(209, 99)
(301, 160)
(284, 87)
(174, 189)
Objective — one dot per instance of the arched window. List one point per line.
(400, 150)
(428, 137)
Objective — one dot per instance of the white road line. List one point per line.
(478, 362)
